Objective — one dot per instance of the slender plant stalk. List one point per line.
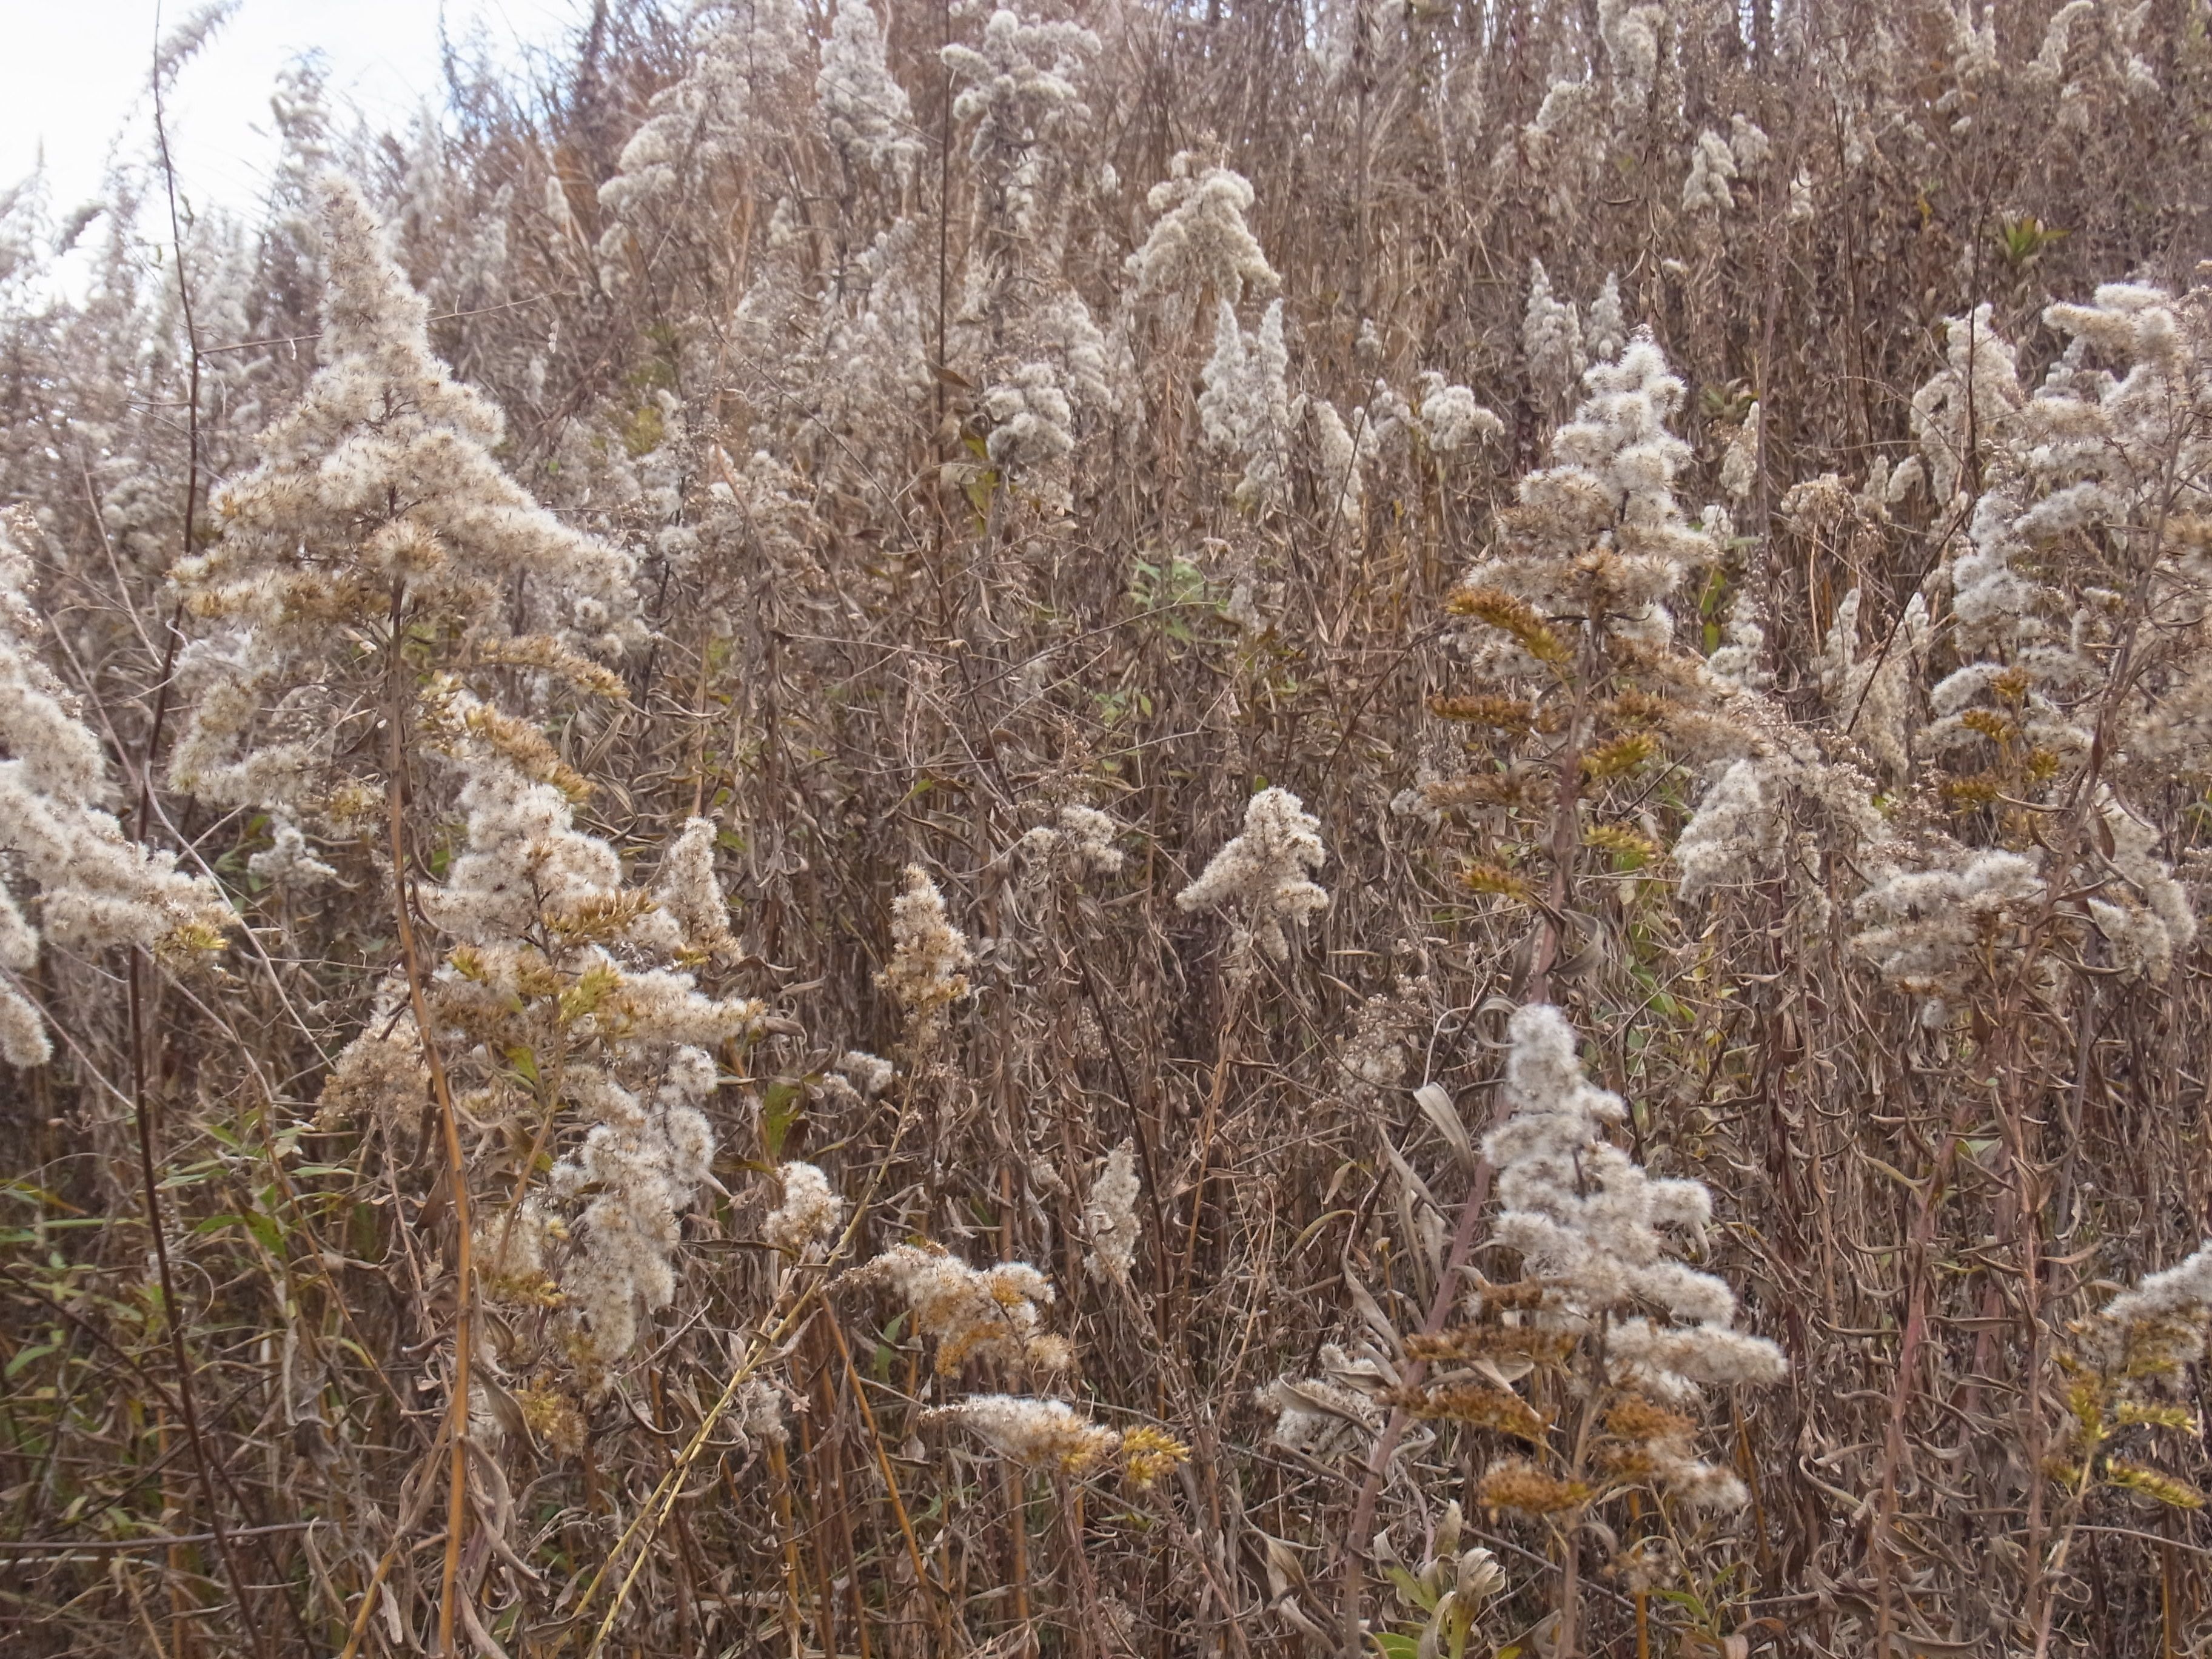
(172, 1309)
(457, 1407)
(924, 1584)
(779, 1467)
(141, 1101)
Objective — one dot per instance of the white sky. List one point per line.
(76, 71)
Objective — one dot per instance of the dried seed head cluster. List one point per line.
(690, 917)
(377, 506)
(994, 1314)
(1336, 1410)
(2076, 485)
(1081, 840)
(1586, 1216)
(927, 972)
(1200, 244)
(1109, 1215)
(1047, 1434)
(382, 1073)
(640, 1164)
(1598, 533)
(2127, 1387)
(869, 1074)
(94, 887)
(862, 110)
(810, 1215)
(1451, 417)
(2153, 1330)
(1263, 878)
(551, 963)
(1247, 410)
(1149, 1455)
(743, 78)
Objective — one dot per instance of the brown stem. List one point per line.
(826, 1459)
(1566, 831)
(1014, 1488)
(1215, 1096)
(1641, 1597)
(410, 1512)
(2050, 1603)
(2166, 1600)
(781, 1468)
(1570, 1585)
(172, 1310)
(825, 1617)
(921, 1578)
(456, 1507)
(1371, 1486)
(1908, 1353)
(141, 1103)
(1087, 1585)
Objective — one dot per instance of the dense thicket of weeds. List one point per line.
(1120, 831)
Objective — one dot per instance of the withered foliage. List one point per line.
(1123, 830)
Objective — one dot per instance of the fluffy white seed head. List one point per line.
(379, 486)
(65, 859)
(1972, 399)
(810, 1214)
(1451, 417)
(1551, 337)
(1589, 1220)
(635, 1174)
(1334, 1411)
(927, 973)
(1263, 878)
(1734, 836)
(1601, 527)
(861, 110)
(994, 1314)
(1037, 1434)
(1245, 407)
(1925, 928)
(1712, 168)
(1109, 1217)
(287, 862)
(690, 915)
(1200, 244)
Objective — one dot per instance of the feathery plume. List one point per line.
(1263, 878)
(95, 886)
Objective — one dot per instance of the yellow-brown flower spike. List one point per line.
(1148, 1454)
(1502, 611)
(1477, 1406)
(1520, 1486)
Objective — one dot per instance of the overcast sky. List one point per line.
(76, 74)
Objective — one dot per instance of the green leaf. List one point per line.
(783, 1103)
(265, 1228)
(1410, 1588)
(1391, 1645)
(25, 1356)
